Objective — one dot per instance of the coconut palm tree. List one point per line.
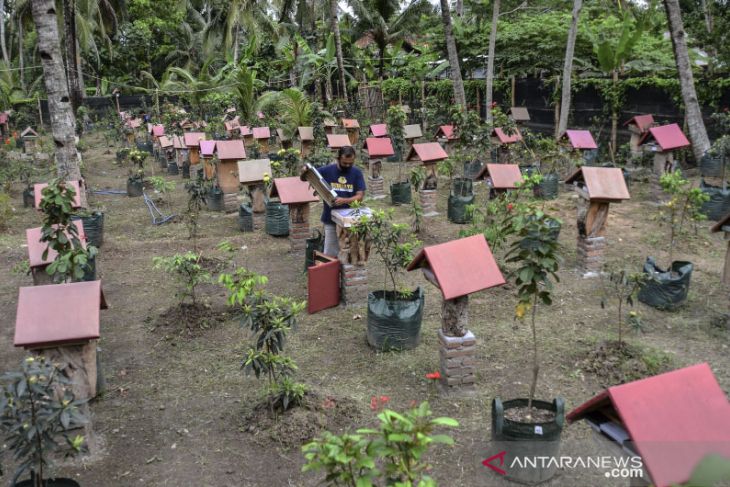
(383, 23)
(62, 118)
(454, 65)
(568, 70)
(338, 48)
(697, 130)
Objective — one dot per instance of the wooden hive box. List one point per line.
(306, 140)
(600, 184)
(293, 191)
(192, 142)
(36, 248)
(230, 152)
(262, 136)
(379, 147)
(499, 136)
(352, 127)
(336, 141)
(580, 139)
(519, 114)
(413, 131)
(379, 130)
(671, 420)
(207, 152)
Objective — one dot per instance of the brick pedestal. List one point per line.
(457, 363)
(298, 227)
(354, 284)
(590, 254)
(230, 202)
(376, 188)
(428, 201)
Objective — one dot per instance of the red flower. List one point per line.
(384, 399)
(373, 403)
(7, 141)
(434, 375)
(510, 206)
(378, 402)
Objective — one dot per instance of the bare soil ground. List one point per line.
(179, 411)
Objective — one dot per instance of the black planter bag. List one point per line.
(28, 198)
(134, 188)
(277, 219)
(215, 199)
(400, 193)
(548, 188)
(457, 208)
(172, 168)
(711, 166)
(313, 243)
(394, 324)
(719, 204)
(245, 218)
(93, 228)
(186, 171)
(471, 169)
(462, 187)
(662, 290)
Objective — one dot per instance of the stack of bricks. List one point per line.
(428, 201)
(590, 254)
(375, 187)
(354, 284)
(457, 363)
(230, 202)
(298, 227)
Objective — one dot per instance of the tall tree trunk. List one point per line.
(459, 8)
(697, 131)
(488, 95)
(710, 26)
(235, 46)
(614, 117)
(381, 62)
(59, 103)
(568, 70)
(82, 85)
(338, 49)
(454, 65)
(2, 34)
(69, 22)
(21, 56)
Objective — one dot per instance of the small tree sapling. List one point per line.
(620, 286)
(187, 270)
(685, 205)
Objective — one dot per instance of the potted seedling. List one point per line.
(400, 191)
(135, 183)
(527, 426)
(73, 261)
(394, 312)
(718, 203)
(667, 289)
(37, 410)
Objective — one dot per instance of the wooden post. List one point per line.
(726, 269)
(591, 220)
(298, 226)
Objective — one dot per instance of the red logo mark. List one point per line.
(500, 456)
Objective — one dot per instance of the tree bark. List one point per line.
(454, 65)
(69, 22)
(697, 131)
(2, 34)
(21, 57)
(59, 103)
(235, 46)
(568, 70)
(338, 49)
(488, 95)
(459, 8)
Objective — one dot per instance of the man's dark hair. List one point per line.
(345, 151)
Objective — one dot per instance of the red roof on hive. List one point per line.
(3, 118)
(36, 247)
(581, 139)
(335, 141)
(158, 130)
(230, 149)
(293, 191)
(38, 193)
(379, 130)
(282, 135)
(134, 123)
(192, 139)
(602, 183)
(178, 142)
(379, 147)
(58, 314)
(507, 139)
(350, 123)
(232, 124)
(29, 132)
(504, 176)
(245, 130)
(642, 122)
(669, 137)
(427, 152)
(446, 131)
(673, 419)
(519, 114)
(261, 133)
(207, 148)
(461, 267)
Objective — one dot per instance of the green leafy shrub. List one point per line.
(187, 270)
(392, 454)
